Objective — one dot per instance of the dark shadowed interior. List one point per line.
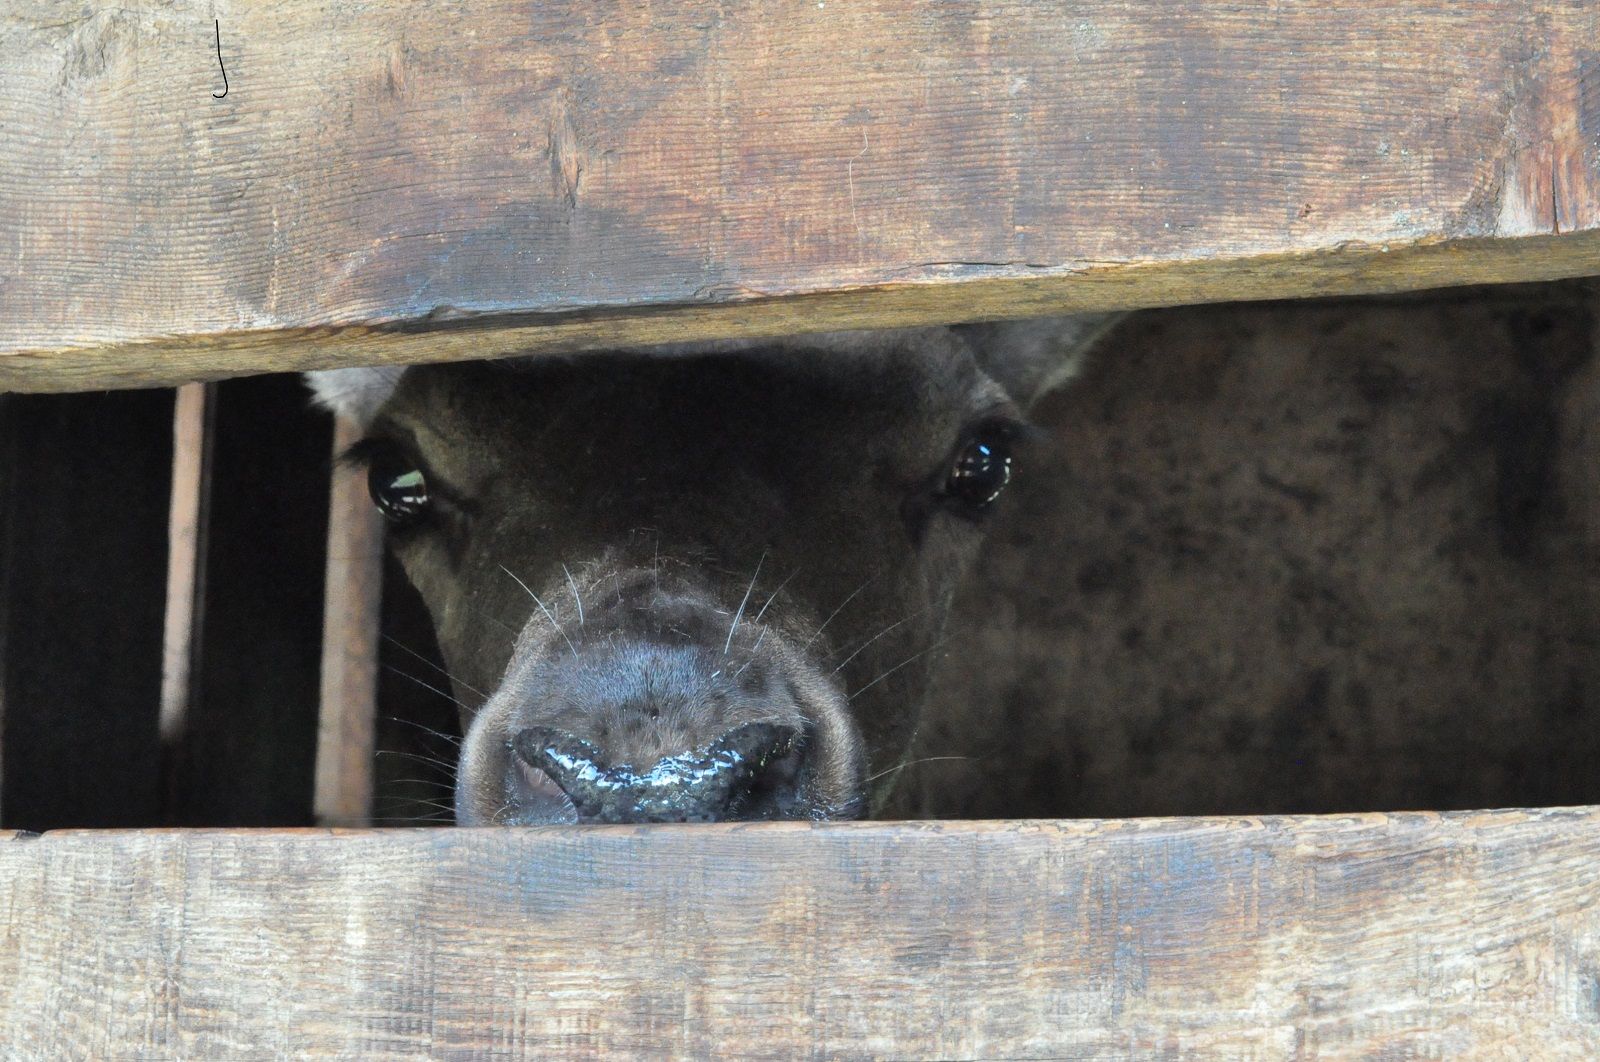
(1293, 557)
(1281, 557)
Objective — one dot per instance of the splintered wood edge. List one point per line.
(957, 292)
(1327, 827)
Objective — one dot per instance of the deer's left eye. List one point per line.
(981, 471)
(398, 488)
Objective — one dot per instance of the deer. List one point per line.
(698, 582)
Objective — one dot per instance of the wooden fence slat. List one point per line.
(192, 427)
(402, 182)
(1468, 935)
(246, 754)
(245, 757)
(347, 721)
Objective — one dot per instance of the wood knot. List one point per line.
(566, 160)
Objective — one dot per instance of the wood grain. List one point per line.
(353, 589)
(1470, 935)
(193, 432)
(400, 182)
(246, 754)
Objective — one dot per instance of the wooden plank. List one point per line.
(1468, 935)
(353, 592)
(246, 758)
(192, 431)
(402, 182)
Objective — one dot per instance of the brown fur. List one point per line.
(1292, 557)
(638, 555)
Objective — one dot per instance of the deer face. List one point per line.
(696, 583)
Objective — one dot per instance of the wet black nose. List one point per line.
(753, 772)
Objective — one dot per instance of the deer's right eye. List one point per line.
(398, 487)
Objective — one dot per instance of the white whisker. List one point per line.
(875, 637)
(451, 738)
(427, 686)
(432, 761)
(576, 599)
(897, 667)
(912, 763)
(747, 592)
(752, 658)
(412, 652)
(818, 632)
(774, 596)
(546, 611)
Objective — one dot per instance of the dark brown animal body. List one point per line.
(698, 583)
(1292, 557)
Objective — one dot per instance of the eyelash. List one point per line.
(359, 455)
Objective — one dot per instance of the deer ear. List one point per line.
(355, 394)
(1032, 358)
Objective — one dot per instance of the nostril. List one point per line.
(770, 761)
(567, 761)
(533, 793)
(756, 748)
(750, 772)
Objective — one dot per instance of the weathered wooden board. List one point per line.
(1416, 936)
(193, 439)
(352, 614)
(401, 182)
(244, 758)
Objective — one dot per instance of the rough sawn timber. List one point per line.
(387, 181)
(1464, 935)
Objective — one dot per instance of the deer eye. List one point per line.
(981, 471)
(398, 487)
